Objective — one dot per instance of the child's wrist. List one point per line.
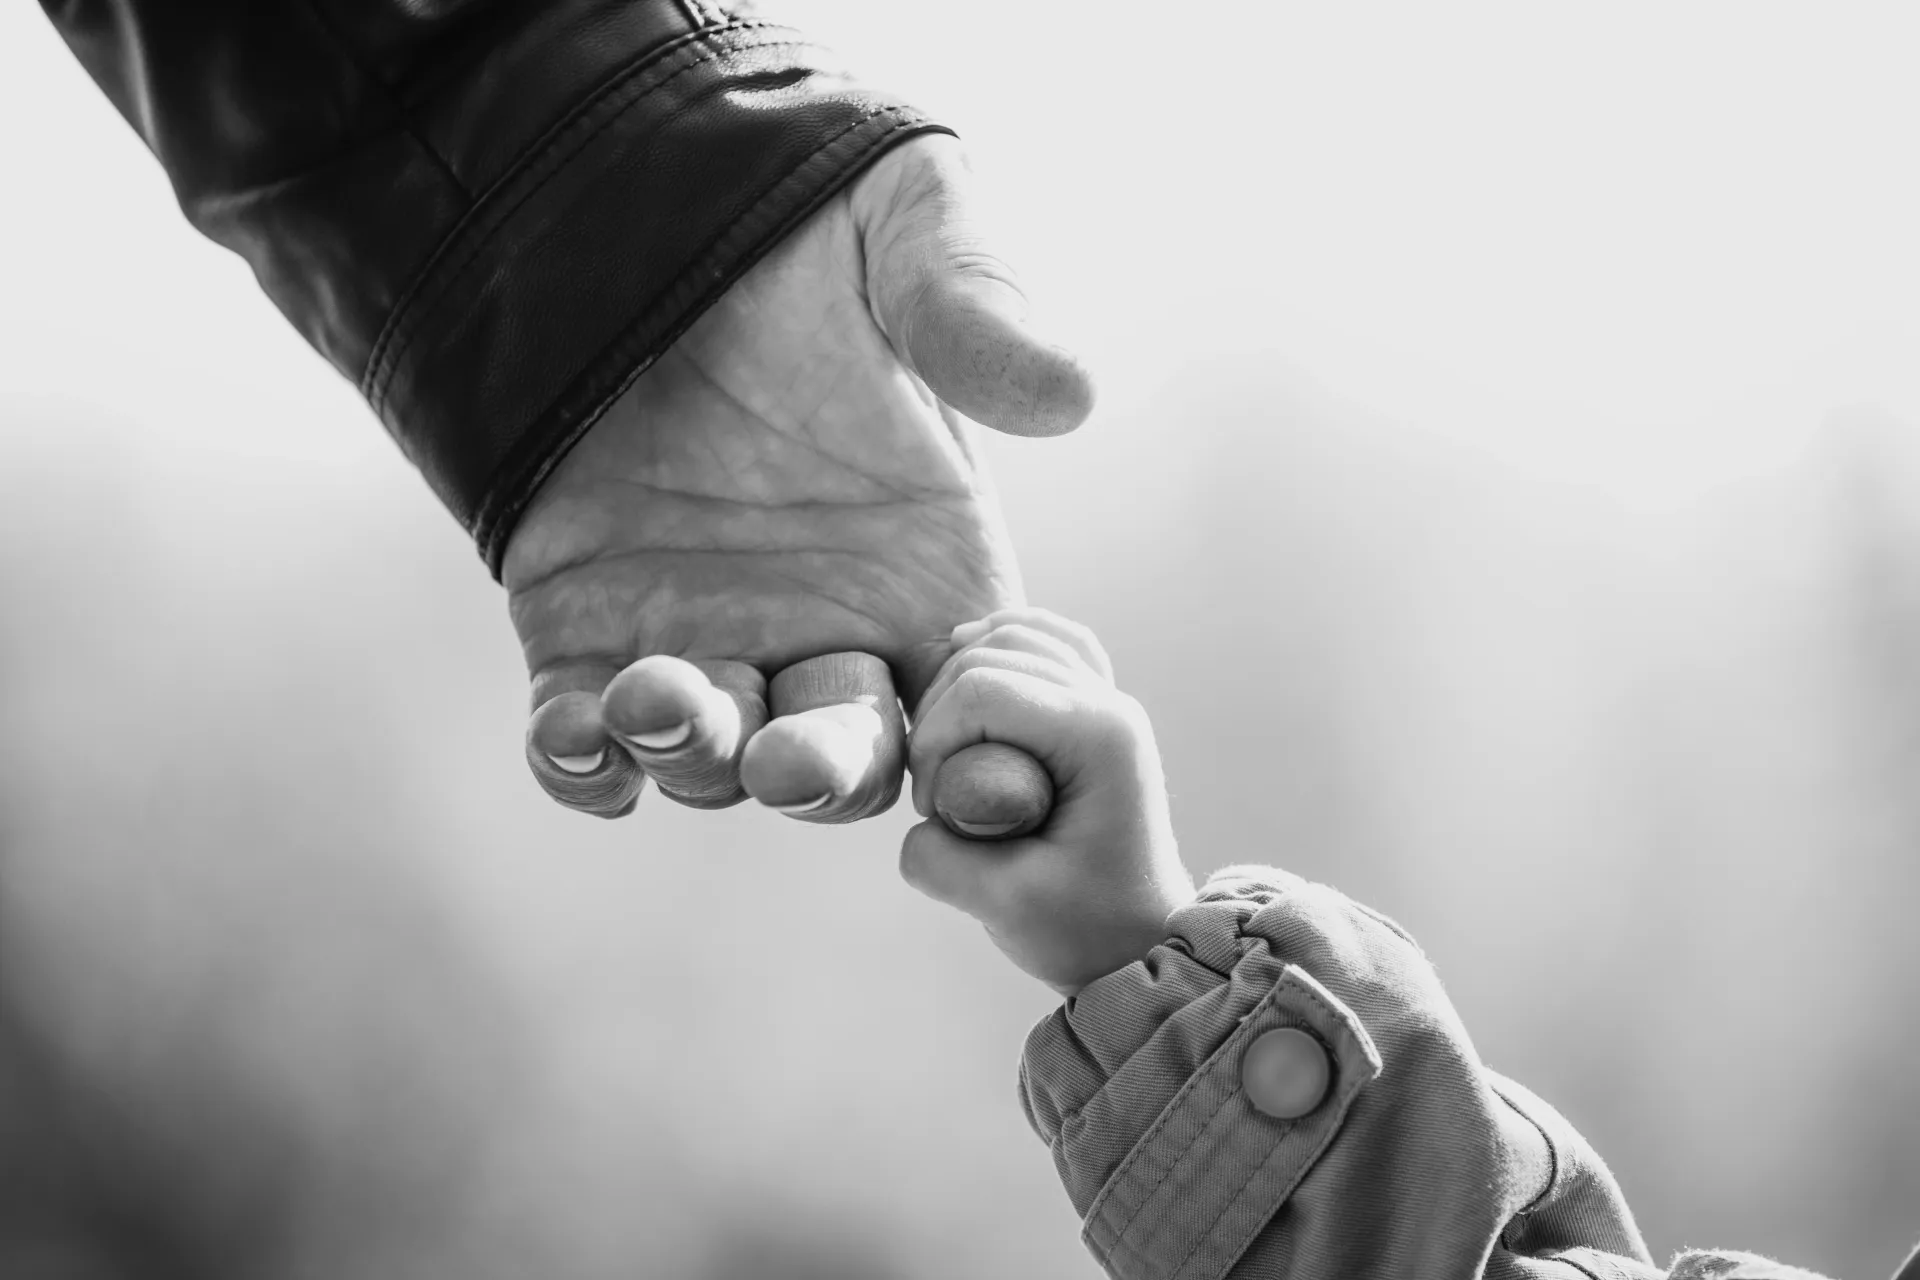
(1124, 942)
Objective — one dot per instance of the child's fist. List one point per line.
(1090, 891)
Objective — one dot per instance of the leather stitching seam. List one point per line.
(400, 114)
(519, 476)
(416, 306)
(549, 140)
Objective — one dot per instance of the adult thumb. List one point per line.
(953, 310)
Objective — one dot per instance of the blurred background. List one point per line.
(1505, 495)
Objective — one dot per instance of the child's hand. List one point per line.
(1090, 891)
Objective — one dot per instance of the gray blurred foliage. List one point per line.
(299, 977)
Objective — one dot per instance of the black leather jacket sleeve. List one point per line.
(491, 214)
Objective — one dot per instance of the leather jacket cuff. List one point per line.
(602, 245)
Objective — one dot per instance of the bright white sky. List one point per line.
(1648, 244)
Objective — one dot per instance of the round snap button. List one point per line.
(1285, 1073)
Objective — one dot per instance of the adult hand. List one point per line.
(724, 584)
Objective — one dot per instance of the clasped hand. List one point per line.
(732, 580)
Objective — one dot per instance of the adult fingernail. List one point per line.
(580, 764)
(662, 739)
(807, 807)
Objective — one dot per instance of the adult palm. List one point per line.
(785, 516)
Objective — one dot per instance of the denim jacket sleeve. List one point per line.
(1415, 1161)
(490, 214)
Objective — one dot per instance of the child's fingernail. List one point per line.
(663, 739)
(979, 830)
(580, 764)
(807, 807)
(968, 632)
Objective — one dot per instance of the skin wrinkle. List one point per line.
(814, 589)
(792, 434)
(803, 504)
(804, 432)
(565, 568)
(921, 190)
(579, 662)
(887, 220)
(844, 250)
(792, 426)
(844, 606)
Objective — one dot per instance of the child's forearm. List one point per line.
(1282, 1089)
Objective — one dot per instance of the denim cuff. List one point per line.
(1213, 1169)
(1137, 1086)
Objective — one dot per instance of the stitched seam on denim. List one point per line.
(1553, 1152)
(1120, 1233)
(488, 511)
(1581, 1267)
(1078, 1046)
(1073, 1119)
(1351, 1087)
(1332, 1118)
(1390, 926)
(415, 308)
(1241, 1194)
(1206, 1072)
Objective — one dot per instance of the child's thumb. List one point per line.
(968, 875)
(991, 791)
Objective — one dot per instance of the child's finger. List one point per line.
(1028, 639)
(1058, 725)
(1025, 639)
(964, 874)
(1038, 666)
(1084, 642)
